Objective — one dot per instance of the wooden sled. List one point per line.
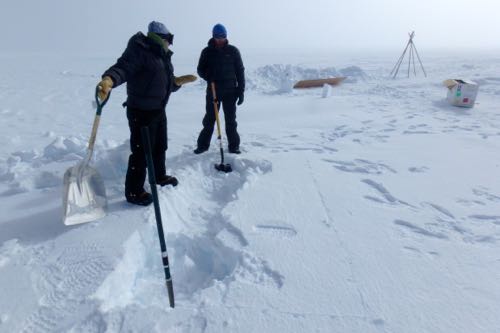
(318, 82)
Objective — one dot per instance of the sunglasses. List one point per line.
(168, 37)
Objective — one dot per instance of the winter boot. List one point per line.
(200, 150)
(167, 180)
(142, 199)
(234, 150)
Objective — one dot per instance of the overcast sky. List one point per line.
(103, 27)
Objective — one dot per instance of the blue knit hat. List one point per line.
(158, 28)
(219, 31)
(161, 30)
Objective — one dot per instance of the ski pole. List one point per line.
(159, 225)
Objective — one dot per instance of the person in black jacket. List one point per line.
(221, 63)
(147, 68)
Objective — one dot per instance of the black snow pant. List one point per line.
(156, 120)
(229, 105)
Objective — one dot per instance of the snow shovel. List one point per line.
(84, 196)
(220, 167)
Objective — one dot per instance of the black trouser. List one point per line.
(156, 120)
(229, 105)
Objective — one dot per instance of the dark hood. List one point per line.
(147, 43)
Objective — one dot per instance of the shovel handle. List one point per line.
(94, 133)
(219, 132)
(216, 109)
(100, 104)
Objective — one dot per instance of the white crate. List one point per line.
(461, 92)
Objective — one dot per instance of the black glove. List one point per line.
(241, 98)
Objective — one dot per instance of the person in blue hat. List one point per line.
(146, 67)
(221, 63)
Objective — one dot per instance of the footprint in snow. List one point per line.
(439, 209)
(495, 219)
(470, 203)
(361, 166)
(256, 144)
(484, 193)
(419, 230)
(418, 169)
(385, 196)
(276, 228)
(64, 283)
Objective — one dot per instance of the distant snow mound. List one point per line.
(353, 74)
(26, 170)
(272, 78)
(61, 147)
(280, 78)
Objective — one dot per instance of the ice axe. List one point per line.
(84, 196)
(220, 167)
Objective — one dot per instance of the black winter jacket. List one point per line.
(148, 71)
(223, 66)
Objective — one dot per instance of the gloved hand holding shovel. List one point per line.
(104, 87)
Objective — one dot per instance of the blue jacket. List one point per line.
(148, 71)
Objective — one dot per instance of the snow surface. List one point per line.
(374, 207)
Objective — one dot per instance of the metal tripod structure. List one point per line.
(410, 47)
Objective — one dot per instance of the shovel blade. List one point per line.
(84, 197)
(223, 167)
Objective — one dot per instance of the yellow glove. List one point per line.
(180, 80)
(104, 87)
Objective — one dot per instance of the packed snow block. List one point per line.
(461, 92)
(318, 82)
(327, 91)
